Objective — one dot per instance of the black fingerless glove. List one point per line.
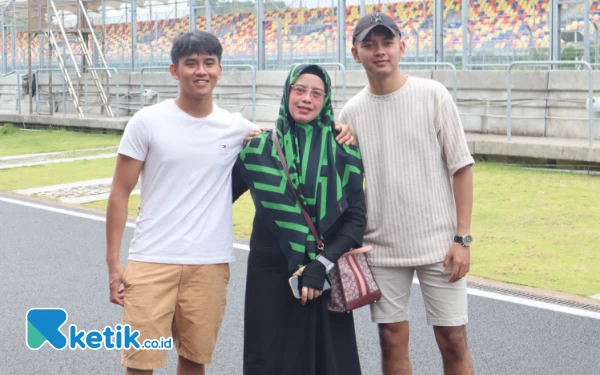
(314, 275)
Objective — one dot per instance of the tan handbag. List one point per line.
(352, 282)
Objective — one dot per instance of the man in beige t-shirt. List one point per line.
(419, 197)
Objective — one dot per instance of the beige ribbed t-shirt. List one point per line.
(412, 142)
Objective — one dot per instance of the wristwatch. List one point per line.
(326, 262)
(464, 240)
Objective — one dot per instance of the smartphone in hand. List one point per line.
(296, 286)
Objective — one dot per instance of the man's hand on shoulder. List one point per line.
(253, 133)
(345, 137)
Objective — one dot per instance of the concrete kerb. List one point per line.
(57, 161)
(37, 190)
(49, 154)
(76, 193)
(529, 147)
(94, 124)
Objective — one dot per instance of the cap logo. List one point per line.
(376, 18)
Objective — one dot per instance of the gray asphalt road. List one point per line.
(50, 259)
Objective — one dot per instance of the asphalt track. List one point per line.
(55, 259)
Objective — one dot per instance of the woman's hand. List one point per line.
(307, 293)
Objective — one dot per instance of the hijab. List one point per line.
(323, 173)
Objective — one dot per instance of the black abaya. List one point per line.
(282, 336)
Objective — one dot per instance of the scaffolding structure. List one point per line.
(76, 50)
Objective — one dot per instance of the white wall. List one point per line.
(545, 99)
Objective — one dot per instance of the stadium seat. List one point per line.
(497, 23)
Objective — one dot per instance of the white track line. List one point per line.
(474, 292)
(58, 210)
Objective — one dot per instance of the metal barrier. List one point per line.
(433, 64)
(108, 96)
(142, 95)
(18, 101)
(343, 69)
(253, 69)
(486, 65)
(590, 94)
(499, 65)
(37, 90)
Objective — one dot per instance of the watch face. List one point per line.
(467, 240)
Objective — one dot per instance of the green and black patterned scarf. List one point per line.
(323, 173)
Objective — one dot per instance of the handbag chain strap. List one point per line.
(314, 231)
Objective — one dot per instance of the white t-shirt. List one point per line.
(185, 215)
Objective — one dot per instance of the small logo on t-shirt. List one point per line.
(223, 148)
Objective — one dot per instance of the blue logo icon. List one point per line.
(43, 325)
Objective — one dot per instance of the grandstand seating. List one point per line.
(498, 24)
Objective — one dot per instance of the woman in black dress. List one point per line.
(284, 335)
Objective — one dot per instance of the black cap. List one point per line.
(371, 21)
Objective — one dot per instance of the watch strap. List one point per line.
(326, 262)
(461, 240)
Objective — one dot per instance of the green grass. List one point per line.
(53, 174)
(243, 213)
(537, 228)
(14, 141)
(134, 203)
(531, 227)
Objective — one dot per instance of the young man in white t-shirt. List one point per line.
(178, 269)
(419, 193)
(175, 283)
